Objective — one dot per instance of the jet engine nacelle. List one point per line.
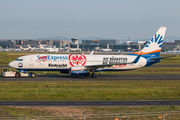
(78, 71)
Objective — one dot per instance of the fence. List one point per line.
(16, 55)
(164, 115)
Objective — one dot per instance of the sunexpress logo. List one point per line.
(42, 58)
(155, 40)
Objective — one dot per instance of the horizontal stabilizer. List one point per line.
(157, 58)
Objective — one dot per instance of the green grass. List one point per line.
(126, 90)
(123, 90)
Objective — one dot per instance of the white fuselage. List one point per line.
(63, 62)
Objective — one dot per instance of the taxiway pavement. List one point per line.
(100, 77)
(90, 103)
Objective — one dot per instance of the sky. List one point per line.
(116, 19)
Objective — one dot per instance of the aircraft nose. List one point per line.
(11, 64)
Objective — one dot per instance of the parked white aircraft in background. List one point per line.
(17, 50)
(106, 50)
(85, 64)
(23, 49)
(30, 48)
(69, 49)
(5, 50)
(41, 47)
(10, 49)
(52, 50)
(48, 49)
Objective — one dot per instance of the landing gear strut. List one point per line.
(87, 75)
(93, 75)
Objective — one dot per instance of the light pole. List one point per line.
(83, 46)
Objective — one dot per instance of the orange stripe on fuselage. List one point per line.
(79, 69)
(141, 52)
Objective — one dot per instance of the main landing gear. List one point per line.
(93, 75)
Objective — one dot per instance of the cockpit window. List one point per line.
(19, 59)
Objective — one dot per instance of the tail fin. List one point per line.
(20, 47)
(154, 45)
(29, 46)
(40, 46)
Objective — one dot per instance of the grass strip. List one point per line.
(123, 90)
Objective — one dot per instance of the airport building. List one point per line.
(89, 45)
(31, 42)
(169, 46)
(122, 47)
(74, 41)
(8, 43)
(101, 42)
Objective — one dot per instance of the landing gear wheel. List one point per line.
(87, 75)
(93, 75)
(18, 75)
(33, 75)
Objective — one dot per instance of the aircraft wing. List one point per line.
(92, 67)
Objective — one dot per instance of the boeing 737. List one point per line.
(79, 64)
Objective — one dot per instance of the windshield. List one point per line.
(19, 59)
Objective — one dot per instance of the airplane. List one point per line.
(16, 50)
(52, 50)
(30, 48)
(69, 49)
(48, 49)
(41, 47)
(5, 50)
(88, 65)
(106, 49)
(23, 49)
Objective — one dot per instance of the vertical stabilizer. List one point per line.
(29, 47)
(20, 47)
(155, 44)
